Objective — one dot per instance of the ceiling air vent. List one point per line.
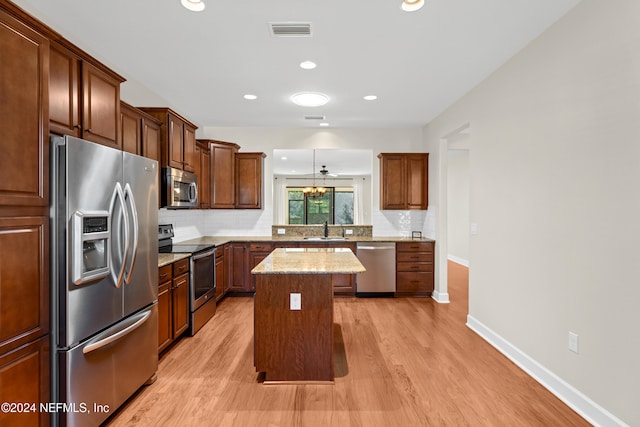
(290, 29)
(314, 117)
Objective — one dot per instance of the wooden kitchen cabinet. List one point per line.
(24, 106)
(221, 270)
(173, 302)
(222, 161)
(130, 129)
(177, 137)
(24, 379)
(84, 98)
(249, 180)
(238, 268)
(414, 268)
(180, 297)
(404, 181)
(203, 169)
(165, 316)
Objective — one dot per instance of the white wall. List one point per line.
(554, 171)
(458, 205)
(258, 223)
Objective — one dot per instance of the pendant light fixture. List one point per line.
(314, 191)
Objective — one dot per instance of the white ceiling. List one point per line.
(340, 162)
(203, 63)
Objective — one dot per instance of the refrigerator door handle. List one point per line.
(134, 215)
(100, 341)
(118, 194)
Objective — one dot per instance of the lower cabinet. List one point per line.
(24, 379)
(414, 268)
(173, 302)
(221, 270)
(238, 268)
(343, 284)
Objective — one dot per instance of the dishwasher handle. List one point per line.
(375, 248)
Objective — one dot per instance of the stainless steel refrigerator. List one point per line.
(104, 269)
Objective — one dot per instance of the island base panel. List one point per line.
(294, 345)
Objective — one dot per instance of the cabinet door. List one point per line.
(24, 280)
(393, 184)
(223, 178)
(165, 318)
(227, 267)
(151, 147)
(249, 180)
(189, 148)
(238, 271)
(176, 136)
(180, 299)
(204, 191)
(24, 108)
(130, 130)
(220, 273)
(64, 90)
(24, 378)
(417, 181)
(100, 107)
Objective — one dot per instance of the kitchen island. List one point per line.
(293, 313)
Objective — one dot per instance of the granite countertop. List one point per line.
(310, 261)
(165, 259)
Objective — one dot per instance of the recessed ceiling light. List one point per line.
(250, 97)
(309, 99)
(193, 5)
(370, 97)
(324, 124)
(308, 65)
(412, 5)
(283, 158)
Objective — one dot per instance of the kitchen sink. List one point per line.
(324, 238)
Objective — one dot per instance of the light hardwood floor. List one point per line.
(399, 362)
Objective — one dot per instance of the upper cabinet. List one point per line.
(178, 137)
(24, 104)
(404, 182)
(249, 180)
(84, 98)
(203, 173)
(223, 177)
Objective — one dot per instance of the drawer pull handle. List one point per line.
(163, 275)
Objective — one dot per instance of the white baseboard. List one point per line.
(440, 297)
(458, 260)
(585, 407)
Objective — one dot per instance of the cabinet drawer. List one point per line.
(414, 247)
(260, 247)
(414, 257)
(181, 267)
(414, 266)
(164, 274)
(418, 282)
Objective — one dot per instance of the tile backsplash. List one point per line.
(193, 223)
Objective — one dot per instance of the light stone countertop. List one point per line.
(220, 240)
(165, 259)
(310, 261)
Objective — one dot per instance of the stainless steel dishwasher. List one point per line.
(379, 258)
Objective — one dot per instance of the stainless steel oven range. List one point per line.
(202, 278)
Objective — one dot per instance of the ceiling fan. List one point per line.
(324, 172)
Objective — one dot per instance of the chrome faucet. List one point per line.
(326, 229)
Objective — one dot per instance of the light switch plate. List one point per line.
(281, 231)
(348, 231)
(573, 342)
(295, 301)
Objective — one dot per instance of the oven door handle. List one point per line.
(203, 255)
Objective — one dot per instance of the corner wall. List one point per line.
(555, 169)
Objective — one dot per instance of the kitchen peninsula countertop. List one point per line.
(310, 261)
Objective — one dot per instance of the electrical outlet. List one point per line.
(348, 231)
(281, 231)
(573, 342)
(295, 301)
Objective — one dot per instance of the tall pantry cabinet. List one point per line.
(24, 222)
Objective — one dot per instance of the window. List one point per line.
(335, 206)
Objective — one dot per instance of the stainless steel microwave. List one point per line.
(180, 189)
